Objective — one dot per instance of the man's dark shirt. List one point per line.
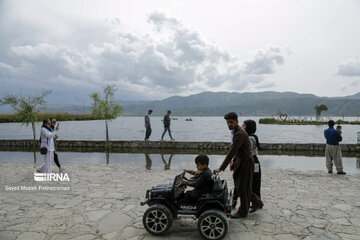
(333, 137)
(203, 183)
(166, 121)
(240, 149)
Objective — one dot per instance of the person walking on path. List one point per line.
(167, 126)
(47, 141)
(148, 125)
(243, 164)
(333, 149)
(56, 157)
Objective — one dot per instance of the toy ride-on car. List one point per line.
(212, 209)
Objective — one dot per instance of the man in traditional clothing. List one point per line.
(243, 164)
(333, 149)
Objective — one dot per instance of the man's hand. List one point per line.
(183, 181)
(57, 128)
(56, 137)
(185, 170)
(216, 170)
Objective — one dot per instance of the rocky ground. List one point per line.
(104, 204)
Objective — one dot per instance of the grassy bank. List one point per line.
(6, 118)
(302, 122)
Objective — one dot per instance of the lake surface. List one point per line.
(176, 161)
(211, 129)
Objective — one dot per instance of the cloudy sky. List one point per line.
(155, 49)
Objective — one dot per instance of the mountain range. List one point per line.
(248, 103)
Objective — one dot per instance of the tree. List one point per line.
(26, 107)
(318, 109)
(105, 108)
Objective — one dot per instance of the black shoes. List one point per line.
(234, 204)
(259, 205)
(340, 173)
(238, 215)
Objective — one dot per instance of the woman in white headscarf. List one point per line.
(47, 141)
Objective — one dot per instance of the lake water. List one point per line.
(176, 162)
(211, 129)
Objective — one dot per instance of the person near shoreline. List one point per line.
(47, 141)
(167, 126)
(56, 157)
(250, 127)
(333, 149)
(148, 125)
(243, 164)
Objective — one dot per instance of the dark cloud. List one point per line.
(143, 66)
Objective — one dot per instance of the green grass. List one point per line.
(302, 122)
(6, 118)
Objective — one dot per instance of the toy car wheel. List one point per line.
(157, 219)
(213, 224)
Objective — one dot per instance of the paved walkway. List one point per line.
(104, 204)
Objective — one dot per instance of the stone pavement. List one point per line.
(104, 204)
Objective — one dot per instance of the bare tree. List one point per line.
(105, 108)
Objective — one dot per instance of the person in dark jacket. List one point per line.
(167, 126)
(202, 184)
(243, 164)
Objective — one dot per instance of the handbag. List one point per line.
(43, 150)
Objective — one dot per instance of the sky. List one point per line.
(155, 49)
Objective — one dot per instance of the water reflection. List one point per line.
(107, 157)
(148, 162)
(34, 159)
(167, 165)
(166, 161)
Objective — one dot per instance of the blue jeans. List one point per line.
(166, 129)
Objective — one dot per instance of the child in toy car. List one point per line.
(202, 184)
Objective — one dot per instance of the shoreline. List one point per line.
(221, 147)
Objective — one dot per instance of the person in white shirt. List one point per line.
(47, 141)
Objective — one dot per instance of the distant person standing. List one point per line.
(167, 126)
(56, 158)
(333, 149)
(148, 125)
(47, 141)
